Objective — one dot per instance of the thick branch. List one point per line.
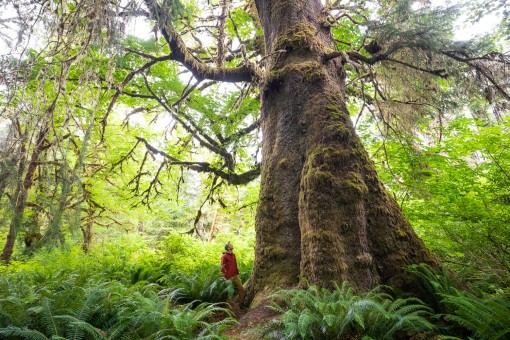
(209, 143)
(440, 73)
(180, 53)
(230, 177)
(346, 55)
(220, 59)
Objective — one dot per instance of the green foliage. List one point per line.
(115, 293)
(424, 28)
(453, 186)
(22, 333)
(188, 256)
(117, 311)
(146, 314)
(478, 10)
(452, 181)
(317, 313)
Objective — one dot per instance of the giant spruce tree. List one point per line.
(323, 215)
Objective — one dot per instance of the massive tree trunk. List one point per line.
(323, 213)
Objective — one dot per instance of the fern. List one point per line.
(147, 315)
(76, 329)
(318, 313)
(44, 315)
(487, 318)
(390, 317)
(204, 286)
(433, 282)
(13, 311)
(64, 294)
(22, 333)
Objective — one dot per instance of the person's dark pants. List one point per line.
(240, 289)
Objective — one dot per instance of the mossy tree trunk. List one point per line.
(22, 189)
(86, 230)
(323, 213)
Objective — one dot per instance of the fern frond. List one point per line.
(14, 310)
(487, 318)
(22, 333)
(392, 316)
(304, 322)
(45, 314)
(434, 283)
(80, 327)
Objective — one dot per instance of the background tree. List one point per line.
(45, 107)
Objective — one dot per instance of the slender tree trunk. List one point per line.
(20, 199)
(86, 231)
(213, 226)
(33, 234)
(323, 214)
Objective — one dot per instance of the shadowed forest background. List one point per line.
(355, 153)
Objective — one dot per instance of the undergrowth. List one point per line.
(131, 290)
(126, 290)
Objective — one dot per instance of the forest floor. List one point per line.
(251, 322)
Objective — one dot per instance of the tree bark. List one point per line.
(323, 214)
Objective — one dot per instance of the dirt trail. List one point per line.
(249, 319)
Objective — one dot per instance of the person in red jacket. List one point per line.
(230, 271)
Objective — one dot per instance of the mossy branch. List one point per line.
(230, 177)
(199, 69)
(120, 88)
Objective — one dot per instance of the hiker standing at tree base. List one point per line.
(231, 272)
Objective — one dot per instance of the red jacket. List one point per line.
(229, 266)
